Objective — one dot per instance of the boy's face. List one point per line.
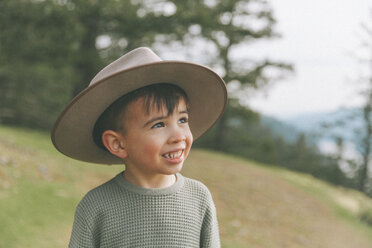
(157, 143)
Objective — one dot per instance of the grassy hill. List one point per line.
(258, 205)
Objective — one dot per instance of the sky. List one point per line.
(321, 39)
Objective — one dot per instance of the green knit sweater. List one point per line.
(120, 214)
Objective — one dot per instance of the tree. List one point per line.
(363, 134)
(51, 50)
(365, 145)
(227, 26)
(362, 117)
(34, 77)
(124, 25)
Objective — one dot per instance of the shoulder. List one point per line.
(198, 190)
(196, 185)
(98, 197)
(201, 198)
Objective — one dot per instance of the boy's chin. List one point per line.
(174, 169)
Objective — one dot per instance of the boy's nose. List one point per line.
(177, 135)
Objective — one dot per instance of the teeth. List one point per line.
(173, 154)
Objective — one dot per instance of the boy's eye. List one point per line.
(157, 125)
(183, 120)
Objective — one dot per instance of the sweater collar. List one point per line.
(145, 191)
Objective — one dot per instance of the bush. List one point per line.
(366, 216)
(33, 95)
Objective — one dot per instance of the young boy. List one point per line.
(143, 112)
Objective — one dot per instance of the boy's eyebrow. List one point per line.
(157, 118)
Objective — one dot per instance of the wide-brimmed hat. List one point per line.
(72, 133)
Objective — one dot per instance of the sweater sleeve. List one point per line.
(210, 237)
(81, 235)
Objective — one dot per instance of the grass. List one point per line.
(345, 203)
(39, 189)
(258, 205)
(28, 214)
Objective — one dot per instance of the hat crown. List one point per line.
(137, 57)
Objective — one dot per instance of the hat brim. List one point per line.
(72, 132)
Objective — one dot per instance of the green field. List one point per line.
(258, 205)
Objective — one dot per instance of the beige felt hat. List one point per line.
(206, 91)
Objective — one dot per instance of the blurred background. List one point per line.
(299, 75)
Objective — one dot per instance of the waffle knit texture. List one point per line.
(120, 214)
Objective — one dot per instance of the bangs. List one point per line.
(163, 95)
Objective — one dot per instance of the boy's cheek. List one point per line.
(188, 147)
(151, 149)
(190, 138)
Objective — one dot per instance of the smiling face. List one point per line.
(156, 143)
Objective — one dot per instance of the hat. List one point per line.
(72, 133)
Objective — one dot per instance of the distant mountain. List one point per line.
(320, 128)
(342, 122)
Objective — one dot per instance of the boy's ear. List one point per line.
(113, 141)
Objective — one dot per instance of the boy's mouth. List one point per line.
(173, 155)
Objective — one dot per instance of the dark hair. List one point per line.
(155, 95)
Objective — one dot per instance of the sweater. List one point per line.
(120, 214)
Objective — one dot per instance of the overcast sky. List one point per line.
(318, 38)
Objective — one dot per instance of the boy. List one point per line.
(143, 112)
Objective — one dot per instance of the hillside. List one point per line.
(258, 205)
